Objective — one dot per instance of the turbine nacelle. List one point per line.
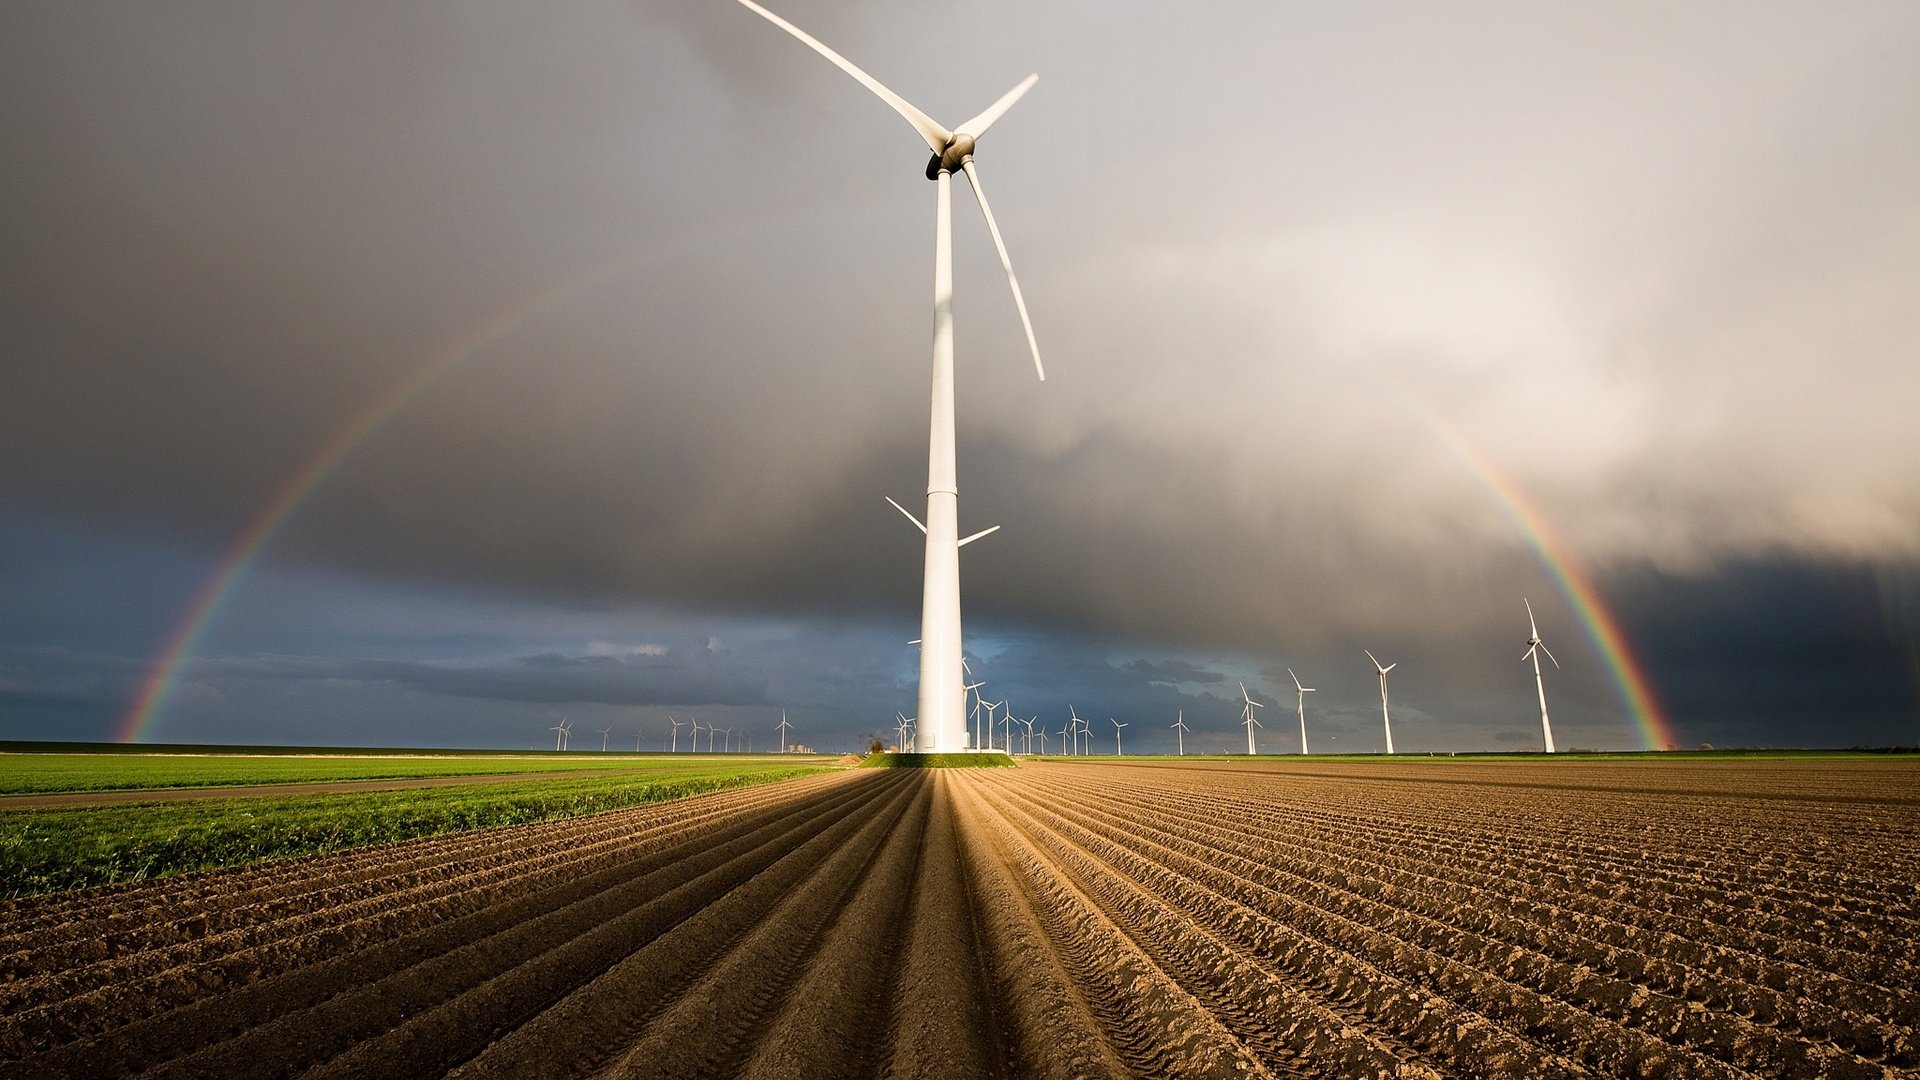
(953, 158)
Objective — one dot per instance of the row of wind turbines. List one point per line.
(1078, 732)
(563, 735)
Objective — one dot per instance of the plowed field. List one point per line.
(1063, 920)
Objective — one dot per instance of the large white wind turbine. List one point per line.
(1385, 720)
(1247, 716)
(783, 730)
(676, 731)
(1117, 725)
(1180, 730)
(1301, 692)
(942, 704)
(1534, 648)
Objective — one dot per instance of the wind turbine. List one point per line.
(676, 731)
(604, 733)
(1180, 730)
(1300, 694)
(1385, 720)
(560, 734)
(1247, 717)
(783, 730)
(974, 689)
(942, 704)
(1043, 736)
(1534, 648)
(1117, 725)
(991, 706)
(1063, 739)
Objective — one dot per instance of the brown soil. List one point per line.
(1062, 920)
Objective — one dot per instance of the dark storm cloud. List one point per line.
(682, 676)
(1661, 291)
(1174, 672)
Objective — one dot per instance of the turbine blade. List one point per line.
(936, 136)
(904, 510)
(1528, 655)
(978, 126)
(1019, 300)
(1530, 624)
(1295, 678)
(1370, 656)
(1549, 652)
(978, 535)
(1389, 667)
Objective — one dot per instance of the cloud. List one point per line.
(1658, 296)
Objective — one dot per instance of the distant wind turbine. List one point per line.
(560, 735)
(1117, 725)
(1385, 720)
(1247, 718)
(1027, 743)
(942, 705)
(676, 731)
(783, 730)
(1534, 648)
(604, 733)
(1180, 730)
(696, 735)
(1300, 693)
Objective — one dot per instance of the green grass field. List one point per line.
(50, 850)
(46, 773)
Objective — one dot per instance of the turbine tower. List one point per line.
(605, 732)
(696, 735)
(942, 703)
(783, 730)
(1385, 720)
(1247, 717)
(1534, 648)
(1301, 692)
(1117, 725)
(1180, 730)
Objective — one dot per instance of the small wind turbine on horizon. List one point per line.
(560, 739)
(605, 732)
(783, 730)
(1385, 720)
(1180, 730)
(1534, 648)
(1027, 745)
(1300, 704)
(1117, 725)
(1248, 718)
(676, 732)
(696, 735)
(942, 704)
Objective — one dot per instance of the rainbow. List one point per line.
(183, 641)
(1601, 625)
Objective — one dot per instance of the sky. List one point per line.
(425, 374)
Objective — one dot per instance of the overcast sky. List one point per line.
(1315, 284)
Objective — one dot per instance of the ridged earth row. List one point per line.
(1062, 920)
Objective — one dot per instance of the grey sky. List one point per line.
(1654, 263)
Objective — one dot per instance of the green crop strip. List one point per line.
(23, 774)
(50, 850)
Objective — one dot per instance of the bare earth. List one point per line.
(1057, 920)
